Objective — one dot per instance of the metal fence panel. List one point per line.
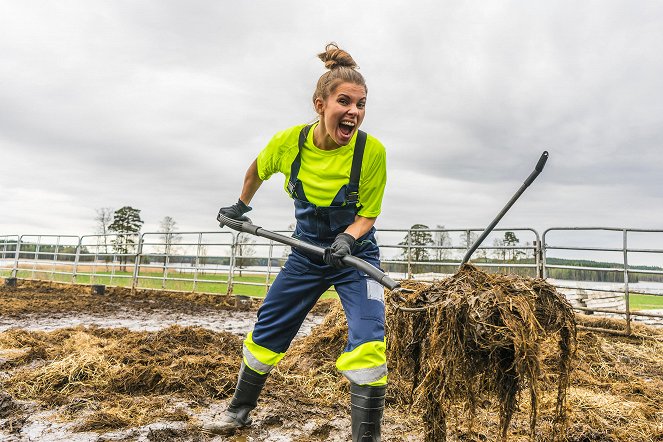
(241, 264)
(591, 295)
(8, 254)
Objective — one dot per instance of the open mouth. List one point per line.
(346, 127)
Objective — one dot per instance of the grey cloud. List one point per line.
(164, 104)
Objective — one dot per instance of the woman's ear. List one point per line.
(319, 105)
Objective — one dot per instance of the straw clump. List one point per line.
(477, 337)
(118, 376)
(113, 378)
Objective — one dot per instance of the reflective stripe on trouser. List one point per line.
(259, 358)
(365, 365)
(292, 295)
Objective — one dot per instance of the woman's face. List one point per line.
(341, 114)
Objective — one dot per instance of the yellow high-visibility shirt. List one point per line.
(324, 172)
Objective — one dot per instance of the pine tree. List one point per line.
(416, 240)
(126, 226)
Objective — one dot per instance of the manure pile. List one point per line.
(475, 338)
(459, 360)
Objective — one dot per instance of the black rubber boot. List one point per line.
(367, 405)
(245, 399)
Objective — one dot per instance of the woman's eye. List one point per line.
(361, 105)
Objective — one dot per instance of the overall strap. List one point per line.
(355, 172)
(296, 164)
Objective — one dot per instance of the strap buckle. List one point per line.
(353, 198)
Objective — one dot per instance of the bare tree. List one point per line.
(169, 237)
(499, 252)
(441, 239)
(202, 258)
(103, 219)
(467, 240)
(243, 250)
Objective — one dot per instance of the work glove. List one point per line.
(342, 246)
(236, 212)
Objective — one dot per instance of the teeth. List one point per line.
(348, 123)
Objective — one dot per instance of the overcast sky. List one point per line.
(162, 105)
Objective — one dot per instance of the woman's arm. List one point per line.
(360, 227)
(252, 182)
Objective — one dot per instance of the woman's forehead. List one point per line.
(352, 89)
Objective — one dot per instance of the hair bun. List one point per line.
(335, 57)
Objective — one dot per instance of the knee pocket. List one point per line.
(373, 308)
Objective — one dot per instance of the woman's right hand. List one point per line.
(236, 211)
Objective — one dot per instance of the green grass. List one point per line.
(247, 285)
(645, 302)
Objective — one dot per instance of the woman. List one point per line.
(336, 176)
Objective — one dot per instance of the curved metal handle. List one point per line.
(537, 170)
(542, 161)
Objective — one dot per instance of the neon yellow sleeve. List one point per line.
(373, 178)
(279, 153)
(324, 172)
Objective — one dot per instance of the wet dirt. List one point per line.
(153, 366)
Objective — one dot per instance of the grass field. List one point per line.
(645, 302)
(247, 285)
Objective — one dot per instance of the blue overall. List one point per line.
(304, 279)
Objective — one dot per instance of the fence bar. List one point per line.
(40, 258)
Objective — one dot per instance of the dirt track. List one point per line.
(152, 366)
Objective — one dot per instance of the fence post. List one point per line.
(197, 262)
(626, 288)
(166, 260)
(542, 247)
(16, 257)
(231, 267)
(269, 265)
(76, 259)
(139, 251)
(35, 257)
(409, 254)
(538, 258)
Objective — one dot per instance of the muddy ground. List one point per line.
(152, 366)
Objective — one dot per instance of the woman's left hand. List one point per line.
(341, 247)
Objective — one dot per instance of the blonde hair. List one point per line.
(342, 69)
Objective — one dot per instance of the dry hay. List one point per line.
(113, 378)
(118, 378)
(474, 337)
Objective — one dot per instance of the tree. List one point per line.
(511, 240)
(467, 240)
(441, 239)
(126, 226)
(168, 237)
(416, 240)
(103, 218)
(243, 250)
(499, 252)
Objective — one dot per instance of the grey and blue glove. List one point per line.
(236, 212)
(342, 246)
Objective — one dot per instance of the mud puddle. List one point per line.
(236, 322)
